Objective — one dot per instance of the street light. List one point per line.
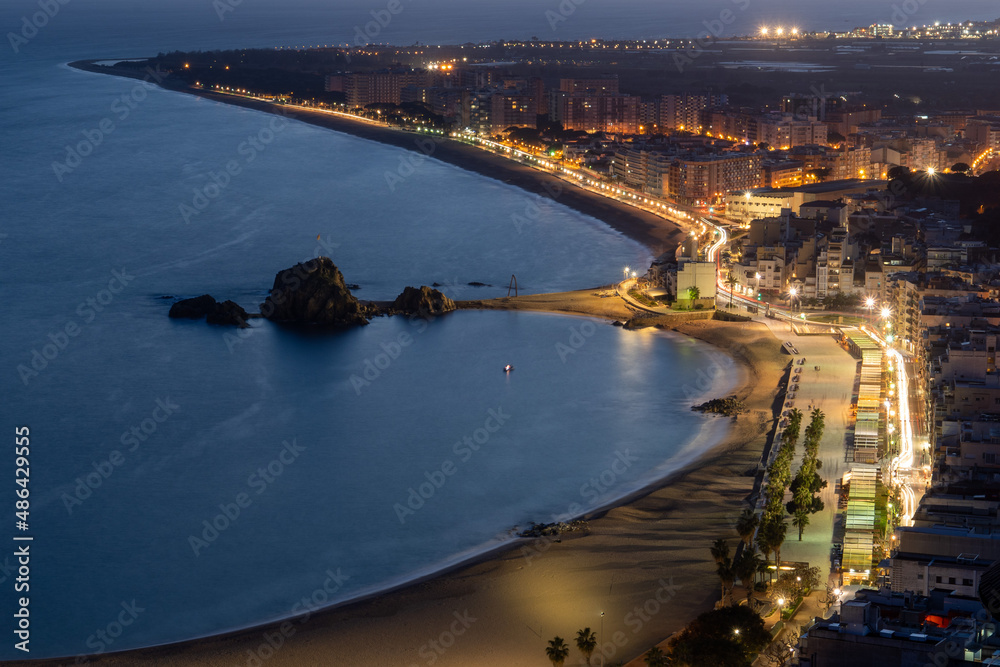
(870, 305)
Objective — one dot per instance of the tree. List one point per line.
(899, 172)
(655, 657)
(779, 652)
(732, 281)
(586, 641)
(961, 168)
(557, 651)
(746, 567)
(727, 637)
(771, 535)
(728, 578)
(746, 525)
(800, 520)
(720, 550)
(693, 293)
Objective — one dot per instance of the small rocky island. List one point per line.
(314, 293)
(227, 312)
(729, 406)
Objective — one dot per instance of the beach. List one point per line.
(639, 572)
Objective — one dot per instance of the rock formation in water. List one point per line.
(424, 301)
(226, 313)
(313, 292)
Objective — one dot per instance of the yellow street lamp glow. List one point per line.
(870, 302)
(793, 291)
(780, 32)
(763, 30)
(886, 312)
(930, 171)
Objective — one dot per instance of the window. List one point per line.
(920, 575)
(937, 580)
(966, 582)
(951, 580)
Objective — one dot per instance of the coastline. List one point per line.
(650, 545)
(657, 234)
(519, 598)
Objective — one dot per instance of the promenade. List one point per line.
(828, 389)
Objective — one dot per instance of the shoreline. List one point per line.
(657, 234)
(648, 519)
(641, 524)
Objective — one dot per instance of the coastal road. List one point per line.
(829, 389)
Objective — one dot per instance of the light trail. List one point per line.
(902, 464)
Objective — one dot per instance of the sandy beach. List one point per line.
(639, 573)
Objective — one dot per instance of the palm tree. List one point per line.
(557, 651)
(800, 520)
(693, 293)
(746, 567)
(746, 525)
(586, 641)
(655, 657)
(732, 281)
(728, 578)
(720, 550)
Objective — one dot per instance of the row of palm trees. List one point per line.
(557, 651)
(807, 482)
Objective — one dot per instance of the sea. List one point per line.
(196, 479)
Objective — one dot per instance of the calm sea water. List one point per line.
(213, 481)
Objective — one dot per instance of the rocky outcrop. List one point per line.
(424, 301)
(729, 406)
(313, 292)
(226, 313)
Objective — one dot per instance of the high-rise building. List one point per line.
(685, 112)
(707, 178)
